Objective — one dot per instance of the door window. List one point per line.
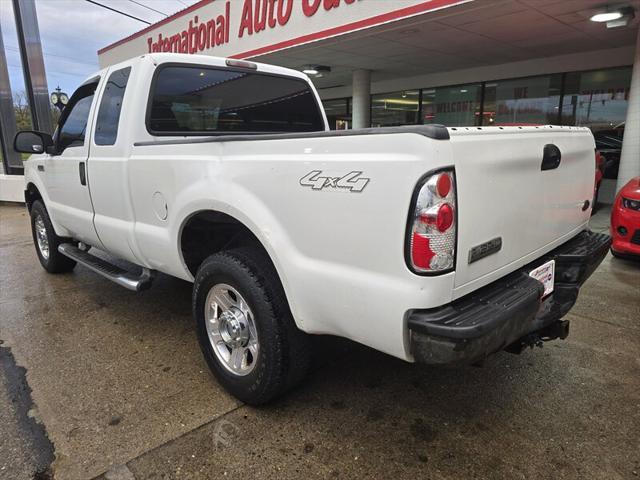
(73, 122)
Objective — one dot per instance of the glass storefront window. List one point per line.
(338, 113)
(452, 106)
(596, 99)
(397, 108)
(522, 101)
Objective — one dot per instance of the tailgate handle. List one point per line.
(550, 157)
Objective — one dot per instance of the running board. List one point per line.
(108, 270)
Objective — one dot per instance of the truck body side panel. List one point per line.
(339, 253)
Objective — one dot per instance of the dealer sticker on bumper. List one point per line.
(544, 274)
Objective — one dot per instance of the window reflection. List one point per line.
(452, 106)
(338, 113)
(397, 108)
(597, 99)
(523, 101)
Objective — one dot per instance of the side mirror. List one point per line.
(30, 141)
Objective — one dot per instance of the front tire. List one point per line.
(46, 241)
(245, 328)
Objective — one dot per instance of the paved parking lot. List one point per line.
(112, 383)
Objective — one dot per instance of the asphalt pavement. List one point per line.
(99, 381)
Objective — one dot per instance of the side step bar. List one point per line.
(112, 272)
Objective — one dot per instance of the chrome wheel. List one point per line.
(41, 237)
(231, 329)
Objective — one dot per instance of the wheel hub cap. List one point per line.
(231, 329)
(41, 237)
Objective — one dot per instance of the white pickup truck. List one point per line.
(432, 244)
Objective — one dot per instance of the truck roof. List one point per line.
(159, 58)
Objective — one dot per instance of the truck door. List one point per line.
(110, 149)
(66, 169)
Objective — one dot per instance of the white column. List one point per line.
(630, 156)
(361, 103)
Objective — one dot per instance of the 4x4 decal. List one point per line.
(352, 181)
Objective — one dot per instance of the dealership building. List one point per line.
(452, 62)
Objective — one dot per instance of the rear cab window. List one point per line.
(198, 100)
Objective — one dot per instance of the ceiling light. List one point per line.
(462, 90)
(615, 17)
(315, 70)
(606, 16)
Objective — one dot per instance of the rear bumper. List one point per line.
(506, 310)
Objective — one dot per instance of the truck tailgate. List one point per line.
(504, 193)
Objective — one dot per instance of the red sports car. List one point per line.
(625, 220)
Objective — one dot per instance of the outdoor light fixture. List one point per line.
(614, 17)
(315, 70)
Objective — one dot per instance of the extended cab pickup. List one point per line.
(435, 245)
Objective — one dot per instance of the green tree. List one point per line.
(22, 111)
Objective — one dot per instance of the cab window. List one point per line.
(193, 100)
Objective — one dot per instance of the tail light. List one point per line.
(431, 236)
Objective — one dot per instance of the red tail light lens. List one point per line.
(440, 216)
(432, 238)
(420, 251)
(443, 185)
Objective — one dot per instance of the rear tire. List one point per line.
(245, 329)
(46, 241)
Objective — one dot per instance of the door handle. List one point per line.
(83, 173)
(551, 157)
(41, 168)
